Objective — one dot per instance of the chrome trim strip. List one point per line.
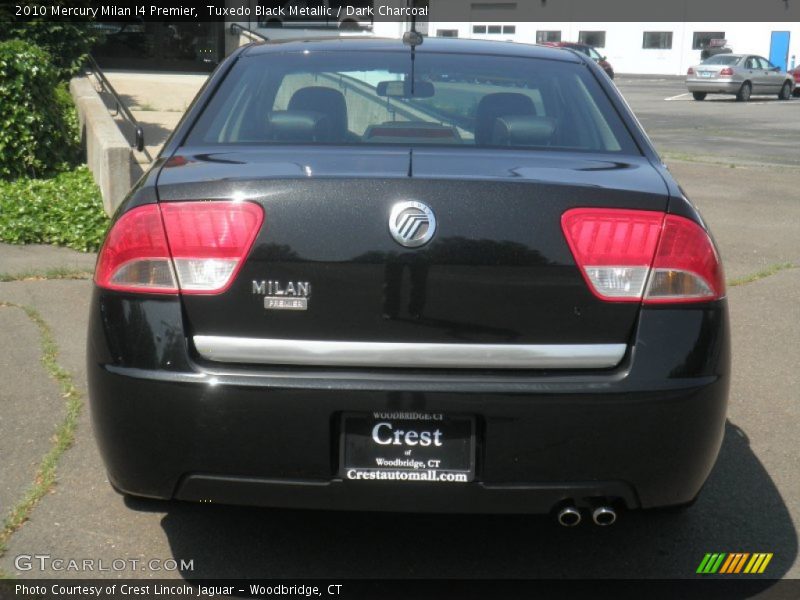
(414, 355)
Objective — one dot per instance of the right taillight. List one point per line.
(643, 256)
(726, 72)
(194, 247)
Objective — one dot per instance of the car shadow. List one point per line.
(740, 510)
(726, 100)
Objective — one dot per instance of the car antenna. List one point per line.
(413, 38)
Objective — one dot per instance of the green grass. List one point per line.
(739, 163)
(696, 158)
(41, 275)
(766, 272)
(62, 438)
(679, 156)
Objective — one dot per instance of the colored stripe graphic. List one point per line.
(765, 563)
(758, 563)
(711, 563)
(728, 564)
(749, 567)
(716, 565)
(741, 562)
(734, 563)
(703, 563)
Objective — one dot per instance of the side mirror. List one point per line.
(402, 89)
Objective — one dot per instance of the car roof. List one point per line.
(430, 45)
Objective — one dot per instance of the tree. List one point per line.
(67, 41)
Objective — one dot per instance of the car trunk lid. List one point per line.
(325, 267)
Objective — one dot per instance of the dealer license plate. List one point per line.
(408, 446)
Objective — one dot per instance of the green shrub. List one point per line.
(66, 211)
(68, 42)
(37, 138)
(69, 113)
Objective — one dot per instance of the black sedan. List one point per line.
(450, 276)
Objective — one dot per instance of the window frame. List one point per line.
(710, 35)
(667, 40)
(767, 62)
(592, 32)
(539, 37)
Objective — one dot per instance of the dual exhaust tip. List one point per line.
(570, 516)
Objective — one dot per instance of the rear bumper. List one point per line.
(645, 433)
(336, 494)
(713, 87)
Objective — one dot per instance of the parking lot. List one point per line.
(737, 161)
(719, 129)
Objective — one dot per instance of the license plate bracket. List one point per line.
(407, 447)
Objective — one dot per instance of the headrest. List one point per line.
(523, 130)
(297, 126)
(492, 106)
(325, 100)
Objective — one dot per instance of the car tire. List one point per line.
(743, 95)
(786, 91)
(699, 95)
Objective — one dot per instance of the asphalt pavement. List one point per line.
(750, 503)
(719, 129)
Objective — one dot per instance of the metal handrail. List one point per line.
(121, 109)
(256, 37)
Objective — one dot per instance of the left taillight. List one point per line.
(135, 256)
(186, 247)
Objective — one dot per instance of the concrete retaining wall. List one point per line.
(108, 153)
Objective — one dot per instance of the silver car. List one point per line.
(739, 74)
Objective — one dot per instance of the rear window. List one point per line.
(386, 98)
(722, 59)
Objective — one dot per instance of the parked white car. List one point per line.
(739, 74)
